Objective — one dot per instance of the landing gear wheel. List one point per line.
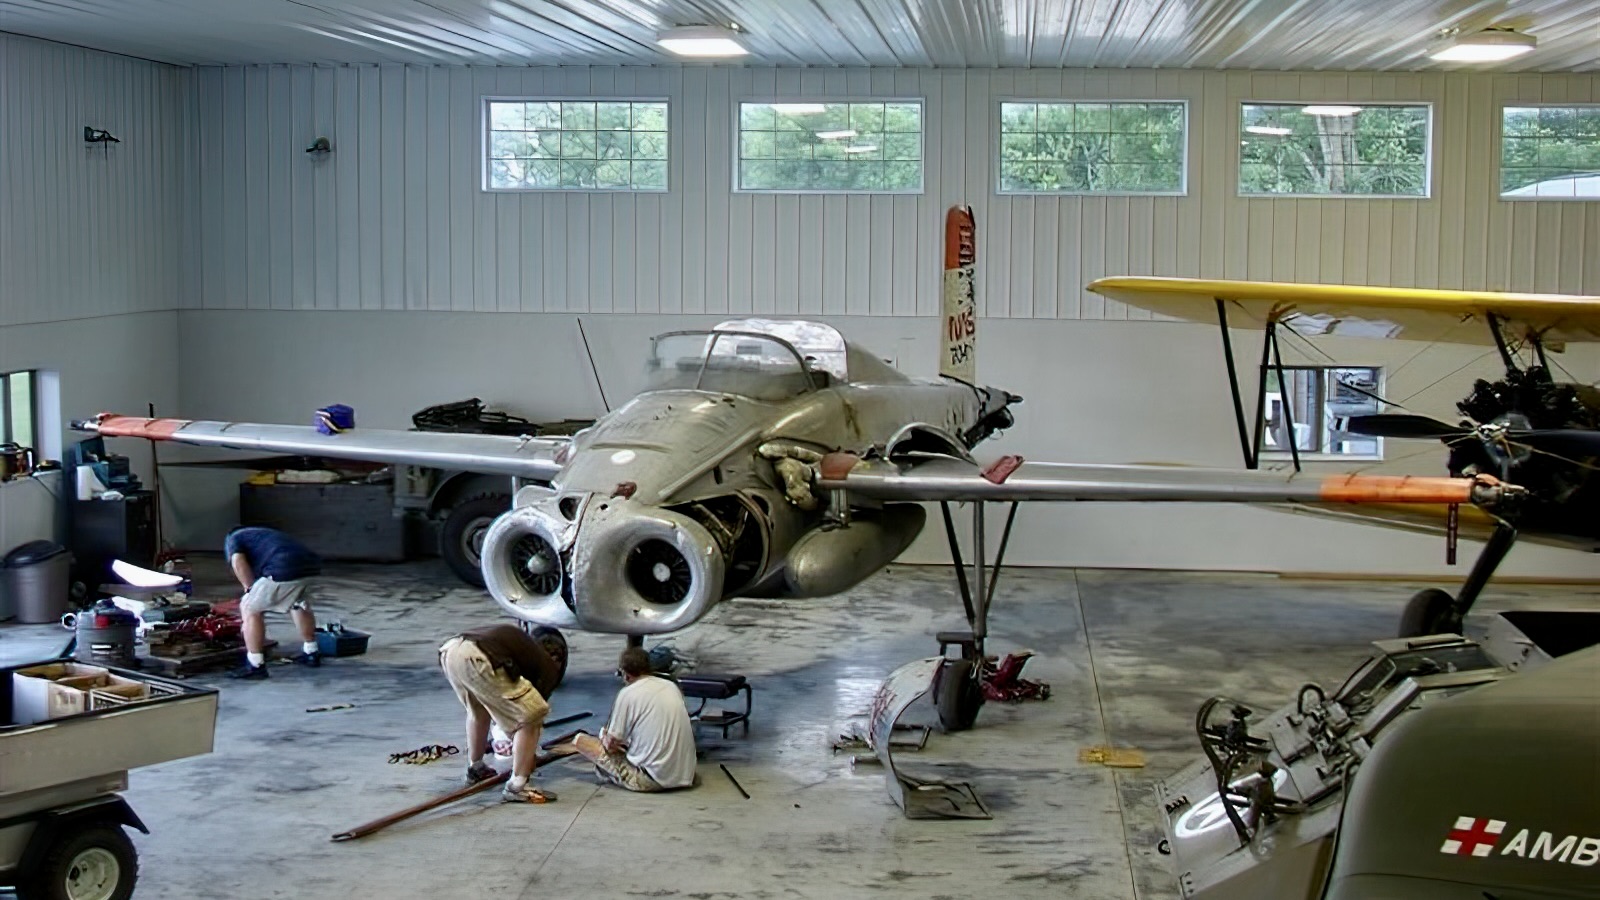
(554, 643)
(957, 695)
(461, 537)
(96, 862)
(1430, 611)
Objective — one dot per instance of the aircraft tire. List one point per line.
(554, 643)
(957, 695)
(461, 536)
(1429, 611)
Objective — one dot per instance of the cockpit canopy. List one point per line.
(763, 359)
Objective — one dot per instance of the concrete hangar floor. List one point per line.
(1129, 656)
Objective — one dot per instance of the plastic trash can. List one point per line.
(37, 579)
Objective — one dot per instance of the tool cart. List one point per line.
(69, 734)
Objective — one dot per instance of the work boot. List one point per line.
(480, 771)
(248, 672)
(309, 660)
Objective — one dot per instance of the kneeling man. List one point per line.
(500, 672)
(649, 743)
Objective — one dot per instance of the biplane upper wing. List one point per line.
(1364, 311)
(944, 478)
(532, 458)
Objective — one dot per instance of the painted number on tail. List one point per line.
(958, 358)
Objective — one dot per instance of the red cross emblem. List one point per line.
(1473, 837)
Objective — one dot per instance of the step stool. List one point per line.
(705, 687)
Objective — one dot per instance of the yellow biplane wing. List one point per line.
(1461, 317)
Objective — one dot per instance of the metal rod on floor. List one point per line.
(733, 779)
(565, 719)
(377, 825)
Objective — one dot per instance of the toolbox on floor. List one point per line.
(337, 640)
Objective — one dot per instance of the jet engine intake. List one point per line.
(642, 569)
(833, 558)
(522, 564)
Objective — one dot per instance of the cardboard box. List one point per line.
(118, 692)
(47, 692)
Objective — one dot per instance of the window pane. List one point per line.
(1130, 147)
(19, 387)
(576, 145)
(1334, 148)
(836, 147)
(1319, 401)
(1550, 152)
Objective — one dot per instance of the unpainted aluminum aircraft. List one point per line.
(1526, 428)
(768, 458)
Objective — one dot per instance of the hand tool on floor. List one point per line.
(379, 824)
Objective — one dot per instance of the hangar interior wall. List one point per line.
(360, 277)
(92, 237)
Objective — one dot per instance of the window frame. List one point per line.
(922, 146)
(1238, 157)
(999, 141)
(1320, 455)
(6, 414)
(1500, 151)
(485, 139)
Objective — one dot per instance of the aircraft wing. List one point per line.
(944, 478)
(530, 458)
(1363, 311)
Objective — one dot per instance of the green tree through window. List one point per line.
(1092, 147)
(869, 147)
(1550, 152)
(1372, 149)
(596, 145)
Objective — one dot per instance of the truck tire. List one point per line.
(461, 537)
(93, 862)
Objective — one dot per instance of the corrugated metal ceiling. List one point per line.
(1243, 34)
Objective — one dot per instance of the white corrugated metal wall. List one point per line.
(91, 229)
(394, 219)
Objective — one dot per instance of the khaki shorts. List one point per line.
(480, 686)
(267, 595)
(615, 768)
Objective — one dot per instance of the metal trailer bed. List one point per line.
(61, 818)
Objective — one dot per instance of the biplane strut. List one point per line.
(1431, 611)
(957, 692)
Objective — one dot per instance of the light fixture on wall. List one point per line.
(1277, 130)
(703, 42)
(836, 135)
(798, 109)
(1489, 45)
(98, 136)
(1333, 111)
(320, 146)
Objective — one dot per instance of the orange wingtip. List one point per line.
(1395, 489)
(140, 427)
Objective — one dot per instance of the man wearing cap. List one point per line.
(276, 572)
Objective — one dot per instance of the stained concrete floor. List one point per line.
(1129, 655)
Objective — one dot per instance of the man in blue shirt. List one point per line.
(275, 571)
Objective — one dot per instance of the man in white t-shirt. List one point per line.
(649, 743)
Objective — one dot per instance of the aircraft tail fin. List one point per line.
(959, 326)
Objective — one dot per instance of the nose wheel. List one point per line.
(553, 642)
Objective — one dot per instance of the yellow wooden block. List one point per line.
(1114, 757)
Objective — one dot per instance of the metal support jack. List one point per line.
(957, 693)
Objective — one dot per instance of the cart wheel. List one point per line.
(95, 862)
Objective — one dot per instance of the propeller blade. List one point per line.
(1571, 442)
(1403, 425)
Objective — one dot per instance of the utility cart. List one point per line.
(69, 733)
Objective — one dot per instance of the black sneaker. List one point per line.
(481, 772)
(248, 672)
(309, 660)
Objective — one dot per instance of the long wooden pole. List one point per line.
(379, 824)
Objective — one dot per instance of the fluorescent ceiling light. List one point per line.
(836, 135)
(798, 109)
(1266, 129)
(1330, 110)
(702, 42)
(1488, 45)
(861, 148)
